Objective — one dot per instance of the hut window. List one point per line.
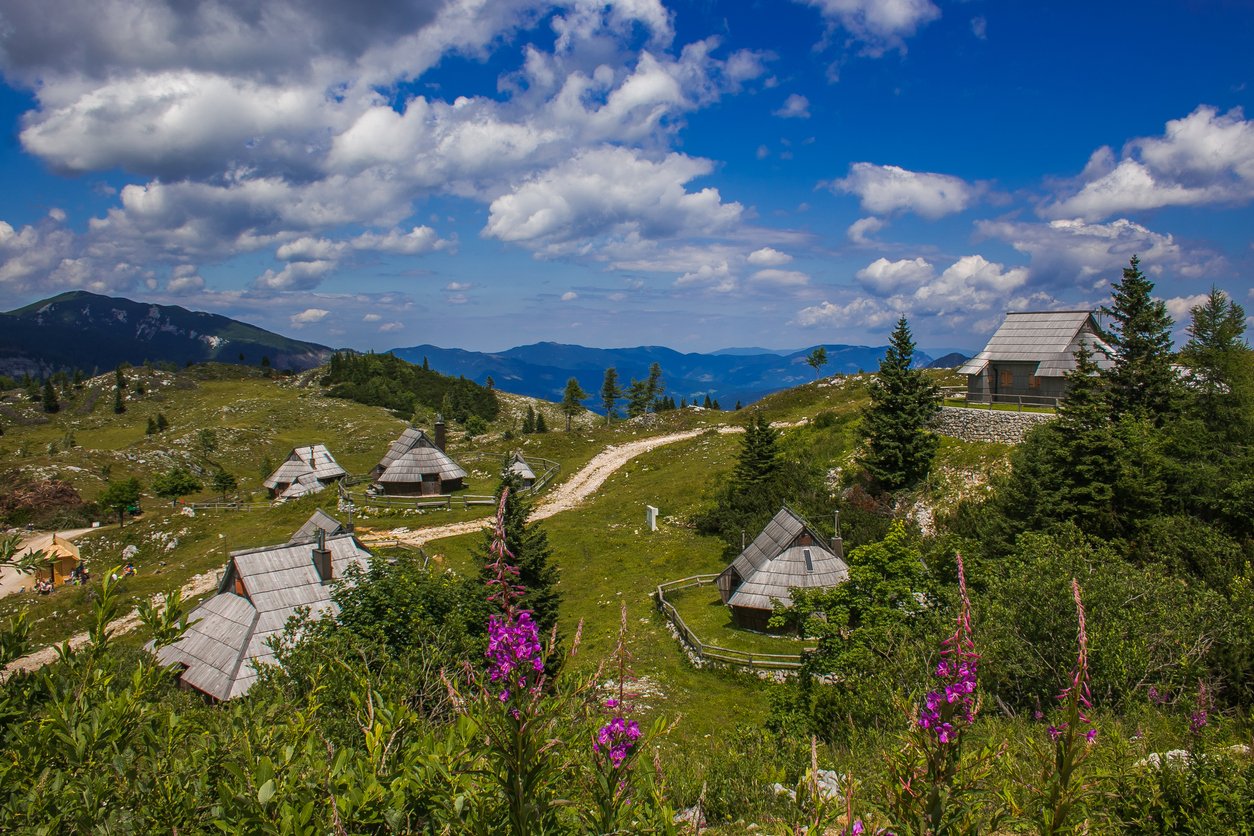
(1007, 378)
(1034, 382)
(809, 560)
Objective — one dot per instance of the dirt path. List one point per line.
(198, 585)
(13, 581)
(564, 497)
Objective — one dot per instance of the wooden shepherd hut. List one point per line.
(61, 559)
(414, 465)
(260, 590)
(307, 470)
(519, 467)
(1029, 356)
(787, 555)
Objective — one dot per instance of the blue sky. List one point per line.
(696, 174)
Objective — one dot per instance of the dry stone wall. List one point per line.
(987, 424)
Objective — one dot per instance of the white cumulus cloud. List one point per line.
(879, 24)
(795, 106)
(884, 189)
(309, 316)
(768, 257)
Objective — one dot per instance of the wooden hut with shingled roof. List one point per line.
(414, 465)
(261, 589)
(788, 554)
(519, 467)
(306, 470)
(1030, 354)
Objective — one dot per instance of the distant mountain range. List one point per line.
(87, 331)
(541, 370)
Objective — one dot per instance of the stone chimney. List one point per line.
(838, 545)
(322, 557)
(439, 432)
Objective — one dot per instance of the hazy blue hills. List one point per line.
(92, 332)
(542, 369)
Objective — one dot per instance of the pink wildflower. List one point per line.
(954, 699)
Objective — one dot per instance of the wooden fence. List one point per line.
(988, 401)
(714, 653)
(227, 506)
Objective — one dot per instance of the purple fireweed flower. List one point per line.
(953, 701)
(1090, 736)
(617, 737)
(1077, 693)
(856, 829)
(1055, 732)
(514, 652)
(1201, 716)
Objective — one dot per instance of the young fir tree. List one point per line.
(50, 402)
(1222, 365)
(529, 421)
(572, 400)
(529, 543)
(162, 423)
(1142, 383)
(899, 446)
(151, 429)
(758, 462)
(610, 392)
(542, 426)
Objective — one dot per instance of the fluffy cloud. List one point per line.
(185, 280)
(1206, 157)
(861, 230)
(1075, 254)
(768, 257)
(795, 106)
(861, 313)
(309, 316)
(610, 192)
(570, 296)
(1181, 307)
(298, 275)
(879, 24)
(884, 189)
(717, 278)
(887, 277)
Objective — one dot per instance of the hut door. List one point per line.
(430, 484)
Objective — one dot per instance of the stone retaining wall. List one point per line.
(987, 424)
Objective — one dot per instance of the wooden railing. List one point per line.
(974, 399)
(227, 506)
(712, 652)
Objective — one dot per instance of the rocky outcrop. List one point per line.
(968, 424)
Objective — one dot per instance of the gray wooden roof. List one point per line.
(313, 459)
(518, 465)
(775, 563)
(1048, 338)
(413, 456)
(229, 639)
(318, 520)
(305, 484)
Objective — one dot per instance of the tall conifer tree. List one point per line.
(1142, 382)
(900, 447)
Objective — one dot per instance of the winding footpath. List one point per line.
(564, 497)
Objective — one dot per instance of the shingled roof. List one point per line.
(518, 466)
(414, 455)
(319, 520)
(1048, 338)
(228, 640)
(314, 460)
(776, 562)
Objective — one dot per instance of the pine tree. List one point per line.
(426, 367)
(151, 429)
(739, 406)
(541, 425)
(707, 404)
(1142, 382)
(899, 447)
(223, 482)
(529, 544)
(758, 461)
(162, 423)
(638, 401)
(610, 393)
(1222, 365)
(529, 421)
(654, 387)
(119, 405)
(572, 400)
(50, 402)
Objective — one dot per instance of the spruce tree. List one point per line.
(529, 544)
(1222, 366)
(119, 405)
(541, 425)
(758, 461)
(610, 392)
(899, 446)
(51, 404)
(572, 400)
(162, 423)
(529, 421)
(1142, 382)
